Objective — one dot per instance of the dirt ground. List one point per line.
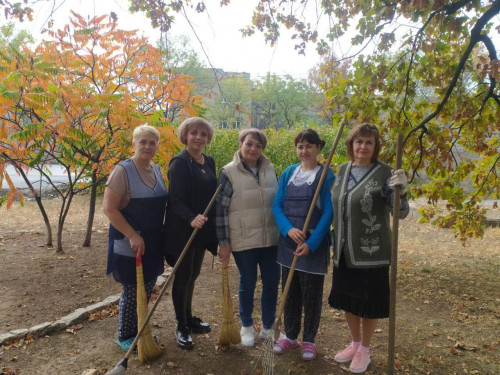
(448, 307)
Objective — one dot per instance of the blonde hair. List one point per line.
(194, 122)
(145, 129)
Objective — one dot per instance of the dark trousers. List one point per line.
(306, 291)
(183, 286)
(127, 317)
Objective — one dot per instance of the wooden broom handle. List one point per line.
(171, 276)
(281, 306)
(394, 259)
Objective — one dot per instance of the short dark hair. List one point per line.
(363, 130)
(255, 133)
(310, 136)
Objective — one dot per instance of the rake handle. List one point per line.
(171, 276)
(284, 295)
(394, 259)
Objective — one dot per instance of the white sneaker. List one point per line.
(265, 333)
(247, 336)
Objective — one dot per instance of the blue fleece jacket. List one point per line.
(324, 223)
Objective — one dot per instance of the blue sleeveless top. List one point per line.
(145, 213)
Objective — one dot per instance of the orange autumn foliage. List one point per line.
(76, 98)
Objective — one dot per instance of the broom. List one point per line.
(229, 333)
(147, 349)
(121, 367)
(268, 354)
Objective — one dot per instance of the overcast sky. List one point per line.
(218, 30)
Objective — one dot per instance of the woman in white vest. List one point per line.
(362, 198)
(246, 228)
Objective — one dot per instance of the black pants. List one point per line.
(183, 286)
(306, 290)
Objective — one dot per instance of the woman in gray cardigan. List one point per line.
(362, 197)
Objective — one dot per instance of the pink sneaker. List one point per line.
(284, 345)
(360, 362)
(346, 355)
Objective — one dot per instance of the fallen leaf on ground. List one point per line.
(102, 314)
(462, 346)
(8, 371)
(74, 328)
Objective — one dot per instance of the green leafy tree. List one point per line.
(230, 103)
(283, 102)
(325, 75)
(428, 69)
(181, 59)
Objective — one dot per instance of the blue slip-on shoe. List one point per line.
(125, 344)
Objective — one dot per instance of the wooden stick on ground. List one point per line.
(394, 260)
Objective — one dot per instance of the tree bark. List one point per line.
(62, 218)
(38, 200)
(90, 219)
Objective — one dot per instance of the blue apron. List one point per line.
(145, 213)
(296, 206)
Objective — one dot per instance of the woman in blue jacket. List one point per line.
(291, 205)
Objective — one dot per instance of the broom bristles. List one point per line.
(147, 349)
(229, 333)
(265, 363)
(120, 368)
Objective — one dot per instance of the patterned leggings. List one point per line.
(127, 319)
(306, 290)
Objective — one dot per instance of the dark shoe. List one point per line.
(196, 325)
(184, 340)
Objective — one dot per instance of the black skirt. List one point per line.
(361, 291)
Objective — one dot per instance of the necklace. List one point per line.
(201, 162)
(198, 160)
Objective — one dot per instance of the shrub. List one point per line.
(280, 148)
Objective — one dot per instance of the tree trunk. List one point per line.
(62, 218)
(90, 218)
(38, 200)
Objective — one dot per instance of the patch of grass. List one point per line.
(426, 269)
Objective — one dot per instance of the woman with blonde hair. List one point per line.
(134, 202)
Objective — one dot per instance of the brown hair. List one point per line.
(363, 130)
(255, 133)
(310, 136)
(194, 122)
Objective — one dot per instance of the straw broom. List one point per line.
(121, 367)
(147, 349)
(268, 355)
(229, 334)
